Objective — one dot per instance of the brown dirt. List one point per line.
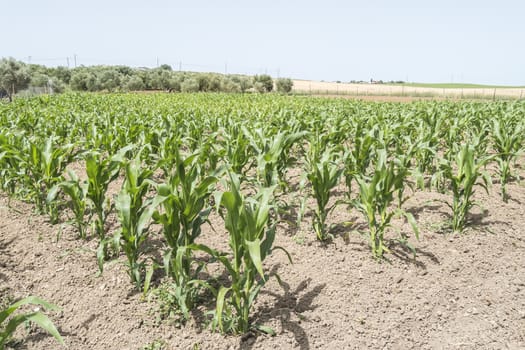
(462, 292)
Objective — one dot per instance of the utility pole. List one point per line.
(157, 61)
(67, 60)
(75, 58)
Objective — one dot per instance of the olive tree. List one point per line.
(109, 79)
(160, 79)
(14, 76)
(244, 82)
(263, 83)
(84, 79)
(190, 85)
(134, 83)
(284, 85)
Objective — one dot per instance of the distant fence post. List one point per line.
(494, 95)
(521, 94)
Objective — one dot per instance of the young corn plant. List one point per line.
(405, 154)
(210, 153)
(101, 171)
(452, 138)
(44, 165)
(424, 158)
(428, 136)
(11, 161)
(463, 174)
(77, 191)
(507, 140)
(134, 211)
(376, 194)
(9, 322)
(183, 209)
(166, 153)
(358, 158)
(251, 236)
(238, 151)
(272, 155)
(323, 173)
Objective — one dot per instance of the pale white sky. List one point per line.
(423, 41)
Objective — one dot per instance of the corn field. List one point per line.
(255, 162)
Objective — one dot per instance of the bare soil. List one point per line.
(461, 292)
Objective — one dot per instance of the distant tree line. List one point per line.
(16, 76)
